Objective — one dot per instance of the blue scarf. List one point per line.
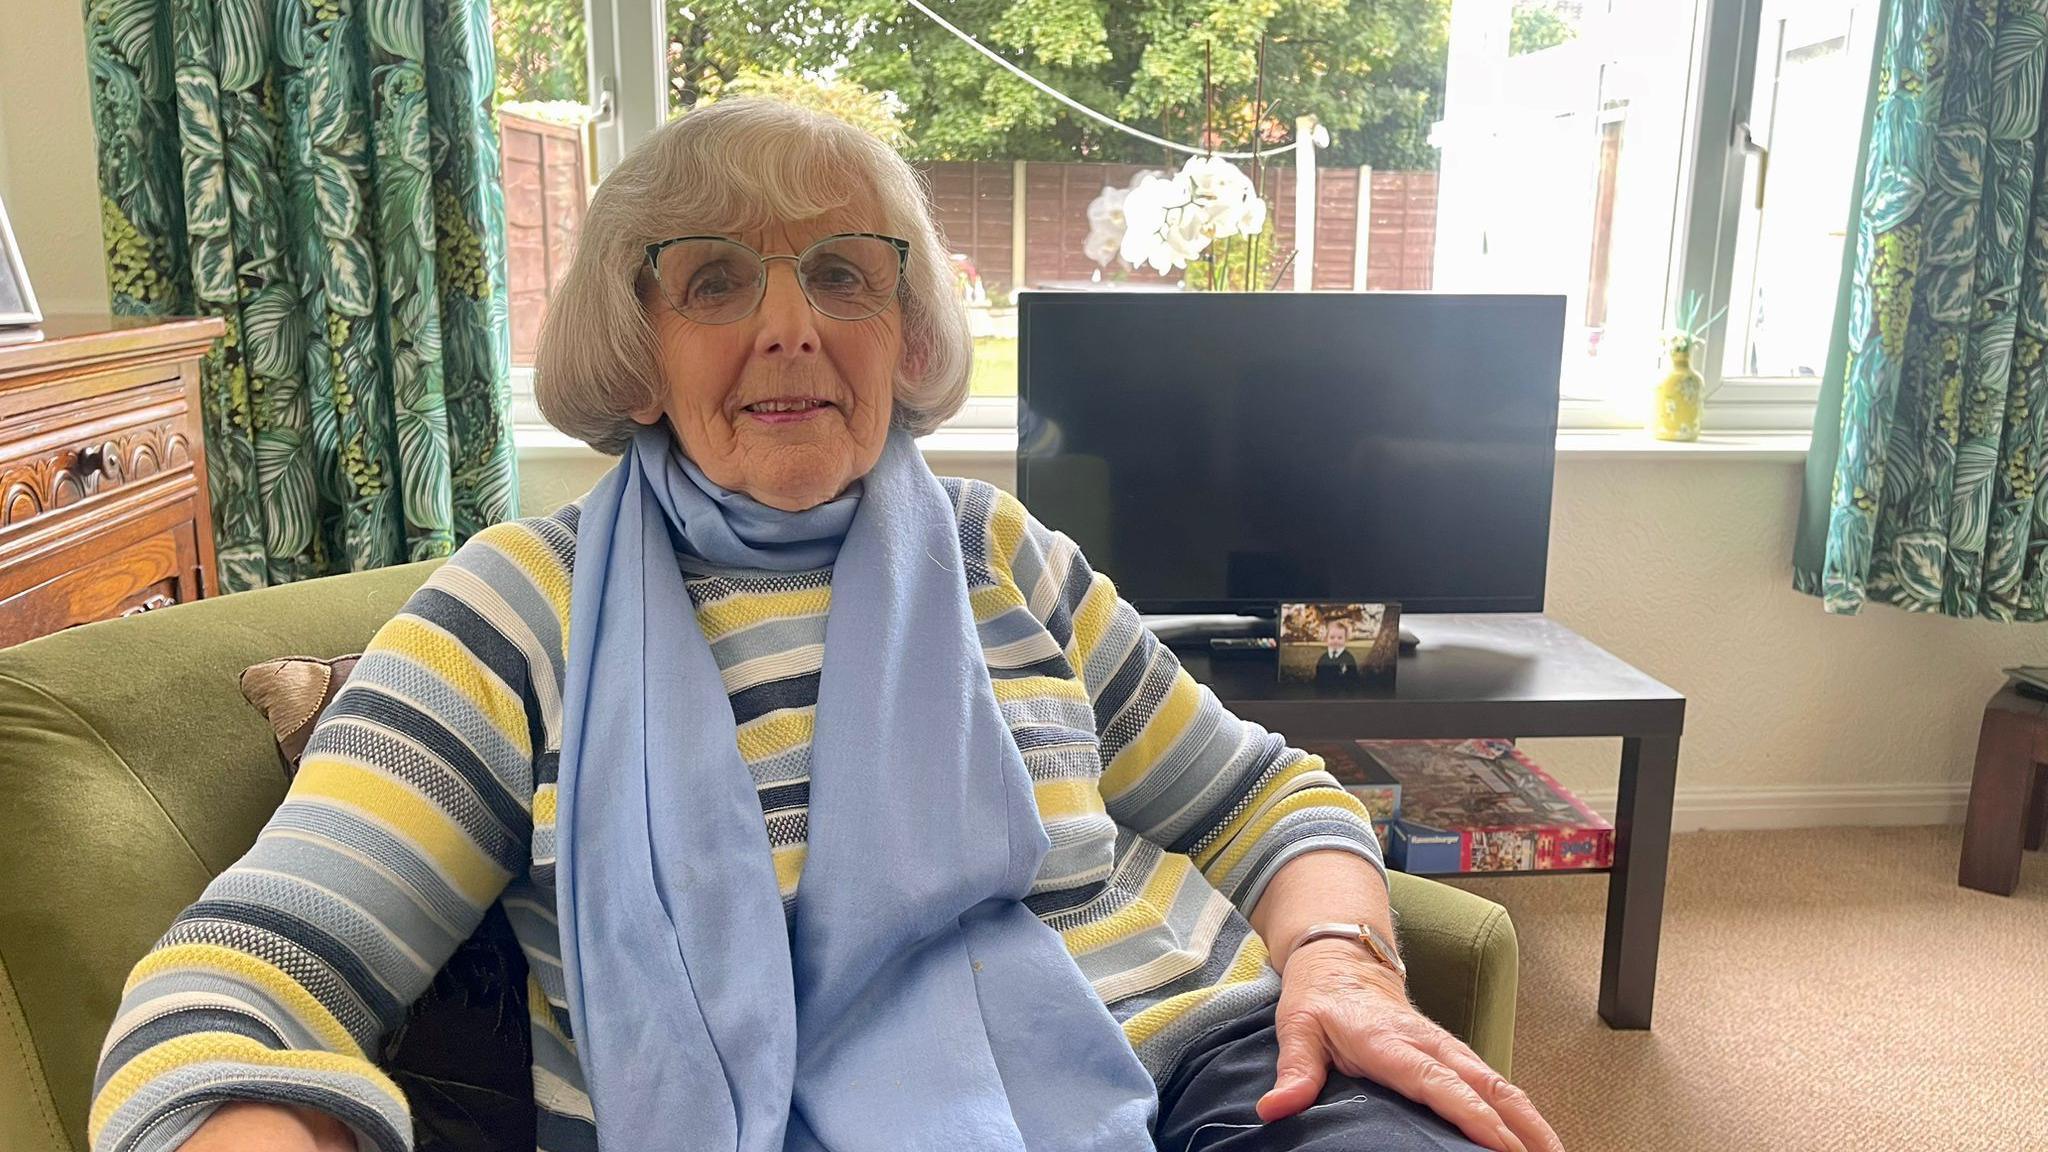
(914, 1002)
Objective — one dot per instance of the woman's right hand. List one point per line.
(256, 1126)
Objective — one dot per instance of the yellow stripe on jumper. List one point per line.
(432, 648)
(1251, 957)
(1147, 911)
(1223, 853)
(1066, 799)
(744, 611)
(531, 555)
(250, 970)
(1168, 723)
(208, 1047)
(417, 821)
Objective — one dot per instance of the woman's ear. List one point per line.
(648, 413)
(916, 357)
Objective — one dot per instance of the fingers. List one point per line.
(1397, 1062)
(1512, 1104)
(1303, 1067)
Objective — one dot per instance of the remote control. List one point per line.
(1242, 643)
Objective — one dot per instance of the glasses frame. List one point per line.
(901, 246)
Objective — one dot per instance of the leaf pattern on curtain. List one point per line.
(1932, 505)
(322, 175)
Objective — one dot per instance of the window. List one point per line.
(1610, 151)
(545, 155)
(1805, 111)
(1781, 105)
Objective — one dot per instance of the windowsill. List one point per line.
(1726, 447)
(543, 442)
(539, 441)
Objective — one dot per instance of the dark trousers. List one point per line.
(1209, 1104)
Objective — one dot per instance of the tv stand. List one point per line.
(1503, 676)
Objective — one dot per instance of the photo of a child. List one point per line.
(1339, 646)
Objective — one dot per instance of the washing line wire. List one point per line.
(1076, 105)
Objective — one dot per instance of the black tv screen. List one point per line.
(1222, 452)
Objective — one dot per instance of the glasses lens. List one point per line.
(710, 281)
(850, 277)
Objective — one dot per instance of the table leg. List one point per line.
(2037, 823)
(1994, 827)
(1635, 889)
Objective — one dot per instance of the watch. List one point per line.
(1381, 948)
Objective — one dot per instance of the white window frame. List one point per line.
(628, 87)
(1719, 180)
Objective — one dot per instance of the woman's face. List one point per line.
(713, 377)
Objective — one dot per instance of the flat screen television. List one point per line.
(1223, 452)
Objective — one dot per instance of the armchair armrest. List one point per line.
(1462, 964)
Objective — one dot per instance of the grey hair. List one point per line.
(735, 166)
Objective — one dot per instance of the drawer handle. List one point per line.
(94, 460)
(154, 602)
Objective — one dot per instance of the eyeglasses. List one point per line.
(715, 280)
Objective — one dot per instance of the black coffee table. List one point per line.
(1514, 675)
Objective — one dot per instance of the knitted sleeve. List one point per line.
(409, 814)
(1178, 768)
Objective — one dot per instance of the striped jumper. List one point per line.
(427, 792)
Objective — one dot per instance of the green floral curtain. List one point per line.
(1927, 449)
(323, 175)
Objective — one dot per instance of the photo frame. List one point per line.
(1339, 646)
(17, 298)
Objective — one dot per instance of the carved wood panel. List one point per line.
(31, 488)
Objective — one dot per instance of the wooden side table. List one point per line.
(104, 507)
(2008, 793)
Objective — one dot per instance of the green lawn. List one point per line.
(995, 368)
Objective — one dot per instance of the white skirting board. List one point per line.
(1730, 808)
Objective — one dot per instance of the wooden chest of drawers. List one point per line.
(103, 498)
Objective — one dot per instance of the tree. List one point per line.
(844, 99)
(541, 54)
(1371, 70)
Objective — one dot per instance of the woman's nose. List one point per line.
(786, 322)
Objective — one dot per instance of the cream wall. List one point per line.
(48, 175)
(1681, 565)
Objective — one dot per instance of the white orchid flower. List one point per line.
(1103, 244)
(1165, 222)
(1152, 210)
(1106, 211)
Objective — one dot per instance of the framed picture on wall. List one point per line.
(17, 299)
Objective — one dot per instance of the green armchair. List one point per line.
(135, 772)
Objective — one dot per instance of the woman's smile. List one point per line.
(792, 410)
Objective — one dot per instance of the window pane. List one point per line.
(544, 150)
(1467, 146)
(1813, 59)
(1560, 168)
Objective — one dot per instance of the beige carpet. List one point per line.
(1817, 989)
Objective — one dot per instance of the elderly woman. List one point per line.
(835, 805)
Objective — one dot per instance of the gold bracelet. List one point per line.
(1382, 950)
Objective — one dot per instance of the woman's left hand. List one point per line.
(1340, 1007)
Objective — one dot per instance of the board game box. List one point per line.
(1363, 777)
(1484, 806)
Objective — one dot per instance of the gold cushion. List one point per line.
(292, 692)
